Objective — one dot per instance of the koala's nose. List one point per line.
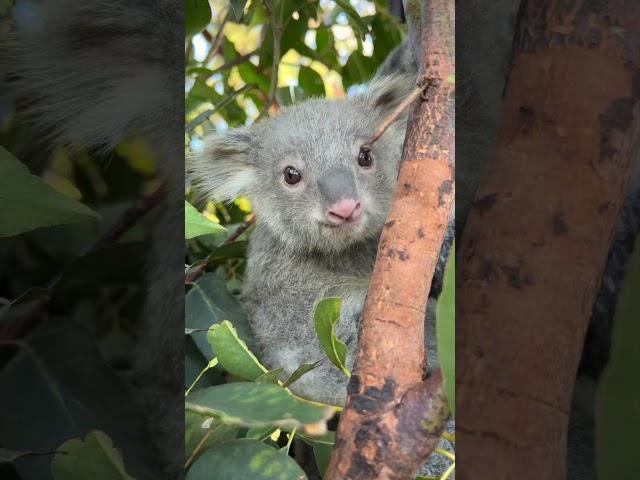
(344, 210)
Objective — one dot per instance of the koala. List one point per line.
(320, 204)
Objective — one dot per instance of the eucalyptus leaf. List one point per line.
(196, 224)
(311, 82)
(197, 15)
(29, 203)
(95, 457)
(244, 460)
(257, 405)
(355, 20)
(446, 329)
(196, 427)
(327, 316)
(300, 371)
(208, 302)
(232, 352)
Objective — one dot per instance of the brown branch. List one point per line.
(393, 419)
(536, 240)
(195, 273)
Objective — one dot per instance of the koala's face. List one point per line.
(305, 173)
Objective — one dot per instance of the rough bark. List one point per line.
(393, 419)
(536, 239)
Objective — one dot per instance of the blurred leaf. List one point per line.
(244, 460)
(327, 316)
(249, 73)
(122, 263)
(354, 19)
(257, 405)
(94, 457)
(237, 7)
(207, 303)
(196, 224)
(311, 82)
(230, 250)
(446, 329)
(358, 69)
(618, 396)
(197, 15)
(29, 203)
(233, 354)
(300, 371)
(59, 367)
(8, 456)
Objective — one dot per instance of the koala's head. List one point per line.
(304, 172)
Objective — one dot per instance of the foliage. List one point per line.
(70, 302)
(320, 49)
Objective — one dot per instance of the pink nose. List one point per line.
(344, 210)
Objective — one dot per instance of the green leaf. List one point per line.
(244, 460)
(29, 203)
(233, 354)
(196, 224)
(197, 15)
(354, 19)
(237, 7)
(249, 73)
(271, 376)
(322, 454)
(94, 457)
(257, 405)
(60, 366)
(311, 82)
(300, 371)
(618, 395)
(327, 316)
(196, 427)
(260, 434)
(446, 329)
(208, 303)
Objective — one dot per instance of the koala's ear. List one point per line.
(385, 93)
(224, 170)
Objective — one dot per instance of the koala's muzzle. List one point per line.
(340, 196)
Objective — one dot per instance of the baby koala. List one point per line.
(320, 206)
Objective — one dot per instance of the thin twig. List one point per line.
(215, 44)
(193, 274)
(191, 126)
(421, 87)
(276, 28)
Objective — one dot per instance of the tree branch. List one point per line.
(537, 237)
(393, 419)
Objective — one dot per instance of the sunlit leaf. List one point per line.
(196, 224)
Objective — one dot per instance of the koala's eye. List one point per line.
(292, 175)
(364, 158)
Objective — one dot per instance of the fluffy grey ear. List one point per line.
(386, 92)
(224, 170)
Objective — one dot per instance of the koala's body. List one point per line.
(321, 204)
